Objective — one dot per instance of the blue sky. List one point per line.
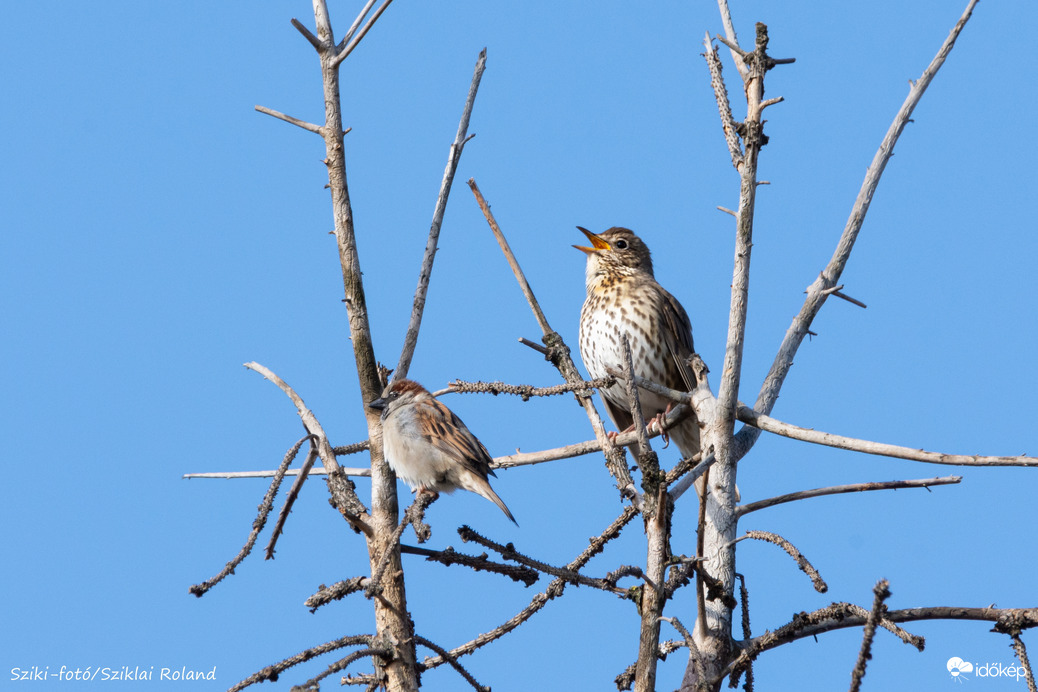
(158, 233)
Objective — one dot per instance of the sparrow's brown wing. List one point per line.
(445, 431)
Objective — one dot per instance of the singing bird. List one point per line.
(624, 298)
(429, 447)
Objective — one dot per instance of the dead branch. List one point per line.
(271, 673)
(452, 662)
(554, 590)
(508, 552)
(802, 563)
(830, 276)
(724, 108)
(742, 510)
(258, 523)
(526, 391)
(882, 592)
(335, 592)
(453, 157)
(559, 355)
(764, 422)
(448, 556)
(1021, 653)
(342, 490)
(625, 679)
(412, 515)
(314, 683)
(290, 499)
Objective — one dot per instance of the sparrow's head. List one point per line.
(399, 393)
(616, 251)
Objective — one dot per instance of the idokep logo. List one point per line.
(957, 667)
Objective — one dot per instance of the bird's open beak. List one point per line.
(596, 242)
(377, 404)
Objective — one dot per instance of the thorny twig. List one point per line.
(258, 523)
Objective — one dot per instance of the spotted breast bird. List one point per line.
(624, 299)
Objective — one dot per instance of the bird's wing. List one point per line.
(678, 335)
(446, 432)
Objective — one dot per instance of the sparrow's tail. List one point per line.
(486, 491)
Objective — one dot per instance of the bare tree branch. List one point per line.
(444, 654)
(335, 592)
(554, 590)
(290, 499)
(271, 673)
(764, 422)
(839, 489)
(724, 107)
(508, 552)
(448, 556)
(559, 355)
(882, 592)
(1021, 653)
(309, 127)
(344, 53)
(257, 525)
(843, 615)
(453, 157)
(802, 563)
(412, 514)
(344, 495)
(830, 276)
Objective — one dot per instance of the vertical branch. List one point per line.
(830, 276)
(392, 621)
(719, 531)
(411, 338)
(656, 511)
(1021, 653)
(882, 592)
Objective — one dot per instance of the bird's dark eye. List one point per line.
(621, 244)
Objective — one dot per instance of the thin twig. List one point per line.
(344, 53)
(445, 655)
(412, 514)
(724, 107)
(882, 592)
(344, 495)
(690, 642)
(508, 552)
(335, 592)
(309, 127)
(314, 682)
(761, 421)
(356, 24)
(449, 556)
(257, 524)
(290, 498)
(559, 355)
(527, 391)
(742, 510)
(453, 157)
(1021, 653)
(555, 589)
(802, 563)
(730, 39)
(272, 672)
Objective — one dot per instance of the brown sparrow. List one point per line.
(429, 447)
(623, 297)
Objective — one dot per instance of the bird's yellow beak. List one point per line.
(596, 242)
